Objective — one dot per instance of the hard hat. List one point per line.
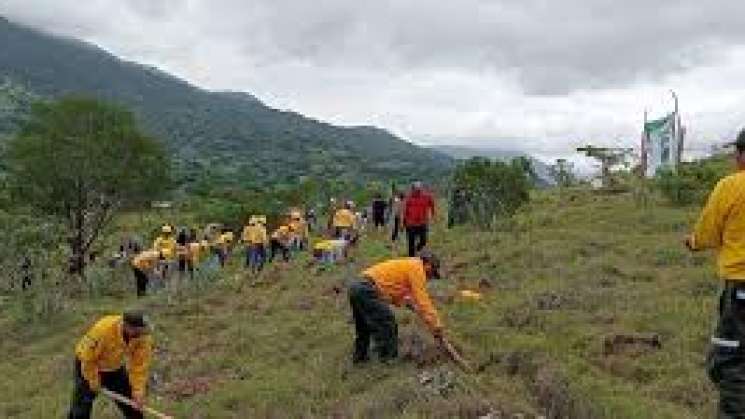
(166, 229)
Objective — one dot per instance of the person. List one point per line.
(99, 363)
(299, 228)
(223, 245)
(344, 222)
(143, 265)
(721, 226)
(397, 281)
(379, 206)
(182, 251)
(397, 213)
(310, 218)
(331, 212)
(166, 245)
(280, 242)
(419, 210)
(194, 250)
(255, 238)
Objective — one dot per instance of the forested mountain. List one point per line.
(229, 137)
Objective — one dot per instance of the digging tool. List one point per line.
(455, 355)
(119, 398)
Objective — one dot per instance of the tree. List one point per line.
(82, 160)
(485, 190)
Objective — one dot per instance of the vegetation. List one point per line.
(490, 190)
(693, 181)
(82, 161)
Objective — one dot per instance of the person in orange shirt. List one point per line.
(100, 362)
(399, 282)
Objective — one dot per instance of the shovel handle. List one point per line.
(121, 399)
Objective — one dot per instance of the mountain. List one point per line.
(231, 137)
(542, 170)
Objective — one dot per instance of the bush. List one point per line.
(486, 192)
(693, 181)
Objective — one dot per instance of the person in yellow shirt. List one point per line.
(721, 226)
(143, 265)
(399, 282)
(99, 362)
(223, 246)
(255, 239)
(194, 252)
(299, 228)
(344, 222)
(166, 245)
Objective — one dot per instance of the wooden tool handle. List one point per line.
(118, 397)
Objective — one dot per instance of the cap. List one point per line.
(135, 318)
(429, 257)
(166, 229)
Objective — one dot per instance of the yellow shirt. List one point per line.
(166, 245)
(255, 234)
(344, 218)
(146, 260)
(300, 228)
(103, 349)
(399, 279)
(721, 226)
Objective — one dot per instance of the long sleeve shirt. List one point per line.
(103, 349)
(402, 279)
(721, 226)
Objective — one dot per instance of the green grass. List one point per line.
(570, 272)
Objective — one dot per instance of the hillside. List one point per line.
(229, 136)
(460, 152)
(575, 274)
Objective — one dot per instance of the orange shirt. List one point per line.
(399, 279)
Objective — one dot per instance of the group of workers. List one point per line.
(116, 352)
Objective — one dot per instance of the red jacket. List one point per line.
(417, 209)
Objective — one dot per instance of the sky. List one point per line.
(539, 76)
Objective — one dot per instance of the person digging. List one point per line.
(99, 364)
(400, 282)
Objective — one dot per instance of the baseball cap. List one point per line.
(135, 318)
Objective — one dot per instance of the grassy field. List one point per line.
(562, 286)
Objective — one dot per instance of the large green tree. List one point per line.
(82, 160)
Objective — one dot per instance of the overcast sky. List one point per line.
(537, 75)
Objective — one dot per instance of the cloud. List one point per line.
(539, 75)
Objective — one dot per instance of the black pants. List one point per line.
(141, 281)
(182, 264)
(278, 247)
(416, 237)
(379, 220)
(372, 318)
(396, 228)
(726, 358)
(82, 396)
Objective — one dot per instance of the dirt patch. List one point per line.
(304, 304)
(182, 389)
(485, 285)
(414, 348)
(631, 344)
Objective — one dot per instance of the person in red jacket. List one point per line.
(419, 210)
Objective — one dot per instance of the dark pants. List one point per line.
(278, 247)
(82, 396)
(182, 264)
(255, 255)
(726, 358)
(222, 256)
(416, 237)
(396, 228)
(141, 281)
(372, 318)
(379, 220)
